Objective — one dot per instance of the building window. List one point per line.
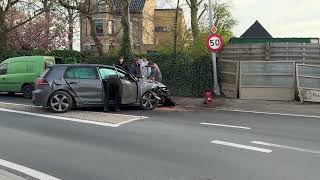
(99, 27)
(161, 29)
(110, 27)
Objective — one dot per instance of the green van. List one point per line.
(17, 75)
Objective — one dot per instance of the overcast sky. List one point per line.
(282, 18)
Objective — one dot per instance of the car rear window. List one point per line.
(81, 73)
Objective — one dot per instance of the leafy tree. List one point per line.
(194, 6)
(126, 45)
(223, 20)
(32, 10)
(40, 33)
(87, 9)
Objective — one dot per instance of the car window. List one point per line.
(3, 69)
(81, 73)
(107, 72)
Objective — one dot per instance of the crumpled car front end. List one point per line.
(159, 90)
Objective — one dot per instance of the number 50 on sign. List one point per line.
(214, 43)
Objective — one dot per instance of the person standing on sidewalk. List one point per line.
(122, 64)
(144, 67)
(135, 68)
(155, 72)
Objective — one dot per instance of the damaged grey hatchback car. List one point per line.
(62, 87)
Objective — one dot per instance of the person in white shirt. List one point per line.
(145, 70)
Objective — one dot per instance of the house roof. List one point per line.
(134, 6)
(256, 30)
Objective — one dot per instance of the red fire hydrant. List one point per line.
(208, 95)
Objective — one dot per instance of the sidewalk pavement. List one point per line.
(221, 103)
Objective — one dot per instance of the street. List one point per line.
(217, 145)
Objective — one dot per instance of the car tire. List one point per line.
(27, 91)
(148, 101)
(60, 102)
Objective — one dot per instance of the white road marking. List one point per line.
(241, 146)
(225, 125)
(73, 119)
(28, 105)
(285, 147)
(26, 170)
(269, 113)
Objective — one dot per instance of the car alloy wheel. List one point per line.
(60, 102)
(149, 101)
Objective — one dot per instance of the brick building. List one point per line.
(152, 28)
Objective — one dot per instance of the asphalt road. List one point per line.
(167, 145)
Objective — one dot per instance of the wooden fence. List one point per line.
(232, 55)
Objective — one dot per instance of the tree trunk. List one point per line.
(3, 35)
(94, 36)
(194, 19)
(47, 22)
(70, 29)
(126, 46)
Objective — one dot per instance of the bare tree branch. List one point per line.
(203, 11)
(25, 21)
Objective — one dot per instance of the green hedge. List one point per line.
(185, 76)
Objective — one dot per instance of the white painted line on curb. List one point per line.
(225, 125)
(286, 147)
(71, 119)
(269, 113)
(26, 170)
(26, 105)
(241, 146)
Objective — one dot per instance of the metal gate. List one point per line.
(267, 80)
(308, 81)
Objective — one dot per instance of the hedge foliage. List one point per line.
(185, 76)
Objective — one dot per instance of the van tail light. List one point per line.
(42, 82)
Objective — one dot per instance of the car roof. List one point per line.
(28, 58)
(88, 65)
(81, 65)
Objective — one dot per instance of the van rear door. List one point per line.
(3, 73)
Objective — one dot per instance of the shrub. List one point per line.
(183, 74)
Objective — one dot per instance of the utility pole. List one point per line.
(214, 57)
(176, 30)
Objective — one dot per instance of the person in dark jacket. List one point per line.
(135, 68)
(155, 72)
(112, 93)
(122, 64)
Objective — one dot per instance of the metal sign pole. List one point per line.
(214, 57)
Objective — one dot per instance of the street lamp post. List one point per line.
(214, 56)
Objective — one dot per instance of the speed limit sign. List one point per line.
(215, 42)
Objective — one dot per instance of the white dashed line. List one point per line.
(26, 170)
(269, 113)
(286, 147)
(225, 125)
(241, 146)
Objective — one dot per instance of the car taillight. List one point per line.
(42, 82)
